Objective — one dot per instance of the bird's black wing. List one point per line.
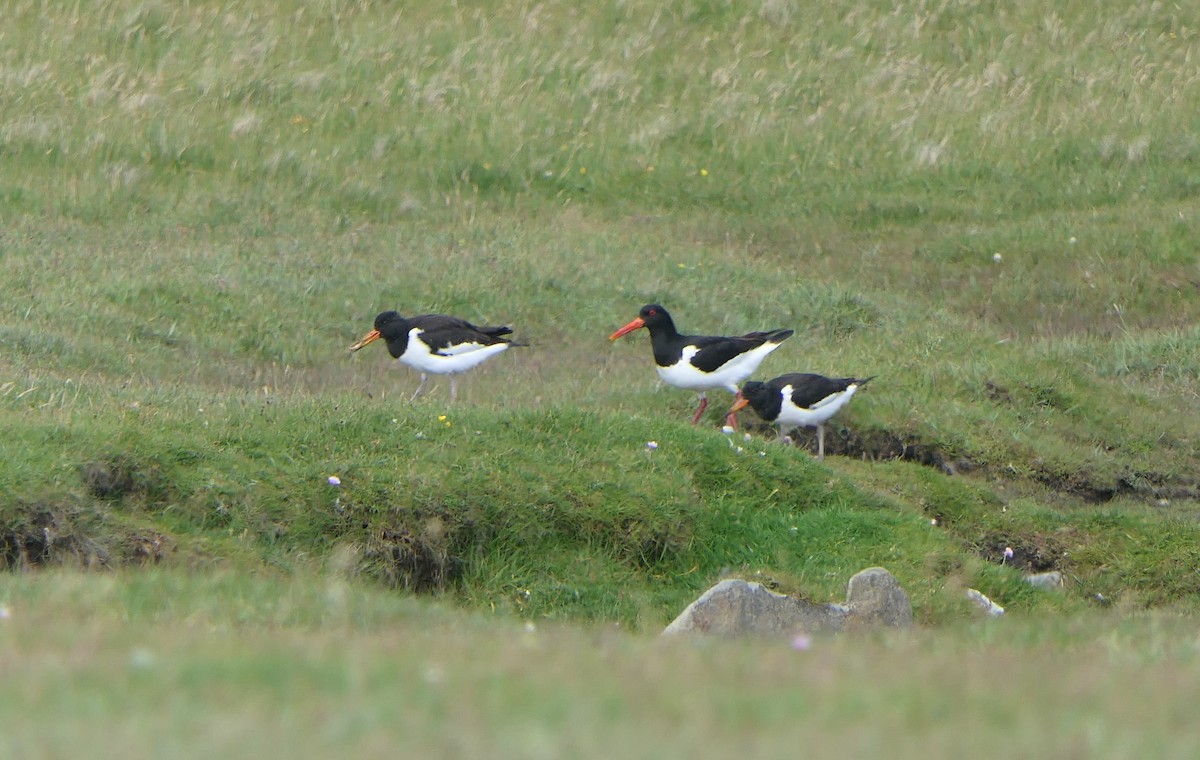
(715, 351)
(431, 322)
(442, 332)
(809, 390)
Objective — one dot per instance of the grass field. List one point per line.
(173, 666)
(991, 209)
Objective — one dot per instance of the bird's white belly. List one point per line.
(683, 374)
(457, 358)
(791, 416)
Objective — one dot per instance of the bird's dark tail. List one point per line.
(495, 332)
(500, 330)
(770, 336)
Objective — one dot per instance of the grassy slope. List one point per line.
(205, 205)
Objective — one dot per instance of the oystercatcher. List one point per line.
(799, 399)
(701, 363)
(437, 344)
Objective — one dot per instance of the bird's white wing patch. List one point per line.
(791, 415)
(731, 374)
(454, 358)
(459, 348)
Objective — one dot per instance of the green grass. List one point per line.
(166, 664)
(989, 208)
(208, 203)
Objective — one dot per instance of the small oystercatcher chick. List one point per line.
(799, 399)
(701, 363)
(437, 344)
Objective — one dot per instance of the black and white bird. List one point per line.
(437, 344)
(799, 400)
(702, 363)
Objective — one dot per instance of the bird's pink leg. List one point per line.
(731, 418)
(700, 411)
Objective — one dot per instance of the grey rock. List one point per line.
(735, 607)
(875, 598)
(983, 603)
(1050, 581)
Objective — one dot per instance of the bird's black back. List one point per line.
(714, 350)
(438, 331)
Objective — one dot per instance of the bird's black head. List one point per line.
(390, 325)
(653, 317)
(392, 328)
(654, 314)
(656, 319)
(762, 398)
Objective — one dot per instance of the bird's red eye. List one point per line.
(651, 313)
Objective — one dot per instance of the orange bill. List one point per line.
(738, 405)
(365, 340)
(636, 324)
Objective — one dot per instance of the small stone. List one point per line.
(141, 659)
(983, 603)
(433, 674)
(1050, 581)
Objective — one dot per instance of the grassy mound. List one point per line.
(556, 513)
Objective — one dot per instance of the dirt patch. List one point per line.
(106, 481)
(1027, 395)
(875, 445)
(647, 545)
(1100, 490)
(76, 535)
(146, 547)
(419, 552)
(1033, 553)
(1092, 488)
(998, 393)
(1080, 485)
(39, 534)
(115, 477)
